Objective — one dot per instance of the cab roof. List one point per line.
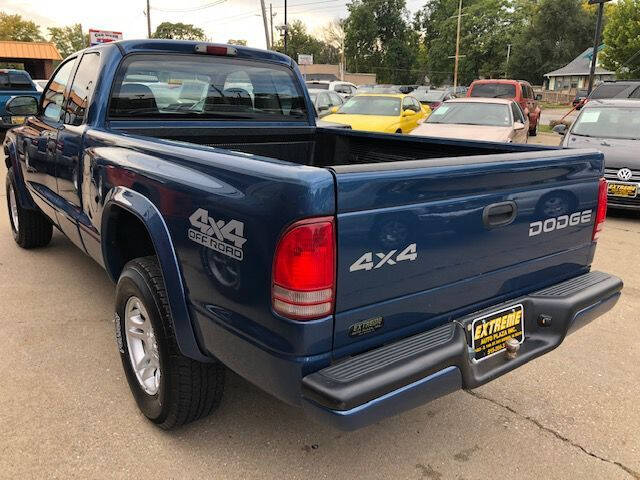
(189, 47)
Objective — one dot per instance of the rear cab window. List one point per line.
(608, 90)
(15, 81)
(494, 90)
(205, 88)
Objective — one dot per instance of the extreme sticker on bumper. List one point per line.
(490, 332)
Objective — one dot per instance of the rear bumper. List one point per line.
(421, 368)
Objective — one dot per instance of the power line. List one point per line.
(189, 9)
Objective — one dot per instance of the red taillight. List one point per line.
(216, 50)
(601, 209)
(303, 284)
(435, 105)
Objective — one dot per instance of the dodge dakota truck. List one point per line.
(352, 274)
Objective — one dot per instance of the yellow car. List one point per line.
(380, 112)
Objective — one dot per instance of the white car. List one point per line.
(344, 89)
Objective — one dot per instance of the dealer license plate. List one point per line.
(490, 332)
(18, 120)
(622, 189)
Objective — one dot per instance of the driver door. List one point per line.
(39, 142)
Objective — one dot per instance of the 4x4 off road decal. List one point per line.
(224, 237)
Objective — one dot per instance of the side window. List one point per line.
(416, 105)
(635, 93)
(323, 100)
(82, 88)
(335, 99)
(517, 113)
(53, 97)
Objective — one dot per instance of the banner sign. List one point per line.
(97, 37)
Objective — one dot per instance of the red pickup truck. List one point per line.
(518, 90)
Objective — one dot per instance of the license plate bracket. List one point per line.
(490, 332)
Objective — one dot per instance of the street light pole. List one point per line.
(506, 68)
(596, 42)
(455, 68)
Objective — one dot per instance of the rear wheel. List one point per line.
(169, 388)
(398, 131)
(30, 228)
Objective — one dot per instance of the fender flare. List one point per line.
(141, 207)
(24, 197)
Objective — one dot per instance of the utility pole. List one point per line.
(266, 24)
(596, 42)
(271, 23)
(148, 19)
(506, 68)
(286, 27)
(455, 68)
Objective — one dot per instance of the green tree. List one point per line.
(555, 32)
(622, 39)
(13, 27)
(301, 42)
(179, 31)
(231, 41)
(68, 39)
(379, 39)
(487, 26)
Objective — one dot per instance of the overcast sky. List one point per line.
(237, 19)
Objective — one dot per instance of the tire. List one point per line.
(30, 228)
(398, 131)
(177, 390)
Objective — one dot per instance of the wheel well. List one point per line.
(126, 238)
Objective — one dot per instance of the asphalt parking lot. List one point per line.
(66, 410)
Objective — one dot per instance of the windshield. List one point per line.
(494, 90)
(15, 81)
(471, 113)
(430, 96)
(608, 90)
(205, 87)
(370, 105)
(608, 122)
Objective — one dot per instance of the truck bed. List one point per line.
(323, 147)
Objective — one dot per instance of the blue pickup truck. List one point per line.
(12, 83)
(352, 274)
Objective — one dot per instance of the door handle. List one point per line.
(499, 214)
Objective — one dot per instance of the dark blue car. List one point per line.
(13, 83)
(352, 274)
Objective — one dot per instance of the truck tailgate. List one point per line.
(423, 242)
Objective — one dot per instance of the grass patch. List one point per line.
(545, 128)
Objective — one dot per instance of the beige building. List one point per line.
(332, 72)
(575, 75)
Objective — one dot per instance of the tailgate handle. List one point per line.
(499, 214)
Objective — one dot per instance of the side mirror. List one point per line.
(518, 125)
(538, 96)
(322, 108)
(21, 106)
(408, 113)
(334, 109)
(560, 129)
